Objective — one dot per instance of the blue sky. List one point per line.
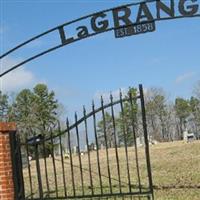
(167, 58)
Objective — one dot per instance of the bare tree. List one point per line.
(156, 106)
(196, 90)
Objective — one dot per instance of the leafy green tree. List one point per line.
(106, 127)
(195, 111)
(128, 119)
(3, 106)
(23, 112)
(45, 107)
(35, 111)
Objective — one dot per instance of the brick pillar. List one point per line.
(6, 175)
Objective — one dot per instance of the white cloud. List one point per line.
(17, 79)
(184, 77)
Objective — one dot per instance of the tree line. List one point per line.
(38, 110)
(166, 120)
(33, 110)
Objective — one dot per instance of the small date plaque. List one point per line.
(135, 29)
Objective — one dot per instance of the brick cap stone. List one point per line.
(7, 126)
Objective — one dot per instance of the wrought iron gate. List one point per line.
(103, 155)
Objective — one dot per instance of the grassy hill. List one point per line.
(175, 168)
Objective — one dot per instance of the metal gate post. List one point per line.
(17, 166)
(148, 163)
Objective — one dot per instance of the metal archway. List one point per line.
(119, 19)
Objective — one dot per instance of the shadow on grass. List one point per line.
(169, 187)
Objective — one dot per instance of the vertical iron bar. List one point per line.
(79, 154)
(87, 143)
(97, 145)
(13, 145)
(20, 169)
(29, 168)
(105, 137)
(15, 164)
(71, 159)
(62, 160)
(54, 164)
(45, 167)
(134, 138)
(148, 162)
(38, 170)
(115, 140)
(125, 141)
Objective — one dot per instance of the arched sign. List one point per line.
(126, 20)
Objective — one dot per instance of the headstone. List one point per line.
(86, 149)
(75, 149)
(190, 137)
(185, 134)
(139, 142)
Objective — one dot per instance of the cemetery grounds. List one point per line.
(175, 168)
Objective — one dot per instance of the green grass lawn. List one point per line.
(175, 168)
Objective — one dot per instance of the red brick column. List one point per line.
(6, 176)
